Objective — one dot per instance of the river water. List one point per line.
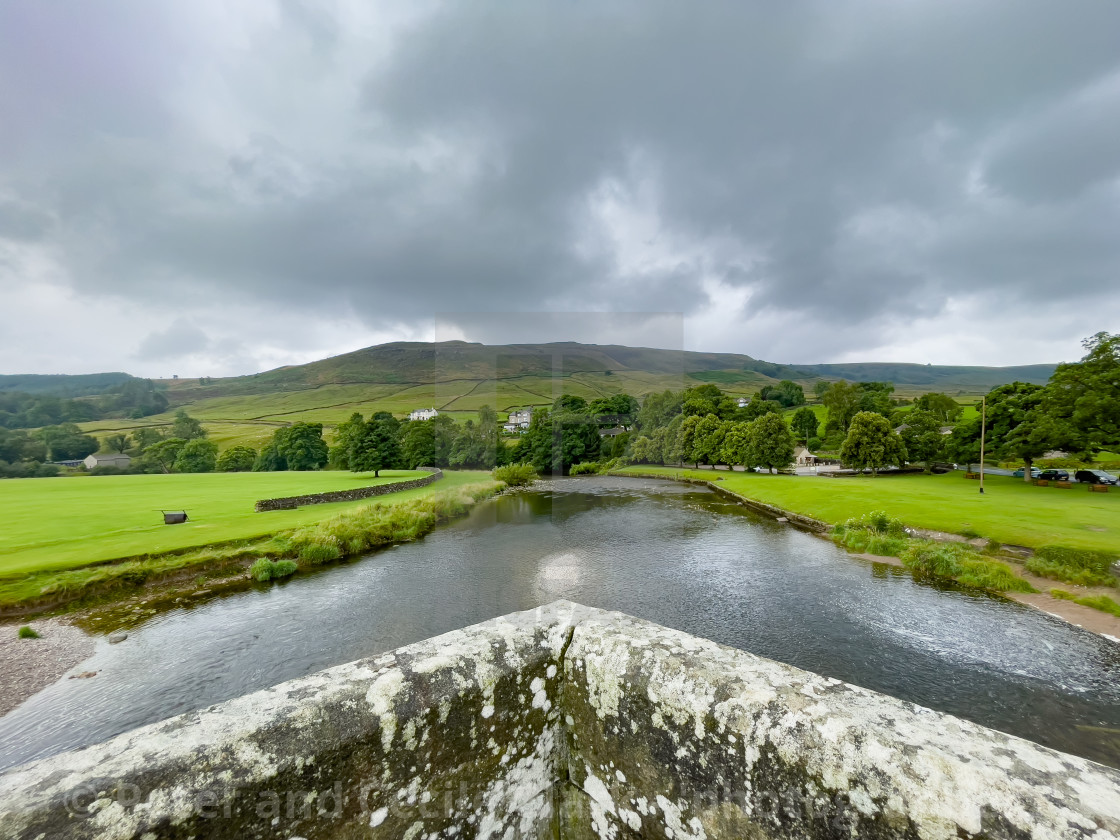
(672, 553)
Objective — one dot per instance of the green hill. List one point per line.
(62, 385)
(459, 377)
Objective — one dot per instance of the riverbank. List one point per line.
(1094, 620)
(30, 665)
(1010, 511)
(336, 532)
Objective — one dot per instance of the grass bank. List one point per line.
(64, 523)
(1010, 511)
(339, 531)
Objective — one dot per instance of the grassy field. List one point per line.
(64, 523)
(1010, 511)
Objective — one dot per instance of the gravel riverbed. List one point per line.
(29, 665)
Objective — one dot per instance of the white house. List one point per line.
(803, 457)
(519, 420)
(743, 402)
(113, 459)
(422, 414)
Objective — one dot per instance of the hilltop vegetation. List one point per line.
(458, 378)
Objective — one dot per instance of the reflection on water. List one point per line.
(674, 554)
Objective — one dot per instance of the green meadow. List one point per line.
(51, 524)
(1010, 510)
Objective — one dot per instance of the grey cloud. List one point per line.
(833, 151)
(181, 338)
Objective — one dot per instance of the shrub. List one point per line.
(585, 468)
(318, 553)
(815, 444)
(930, 558)
(516, 475)
(878, 522)
(1073, 565)
(993, 575)
(265, 570)
(26, 632)
(283, 569)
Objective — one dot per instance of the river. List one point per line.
(672, 553)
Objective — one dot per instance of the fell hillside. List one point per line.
(62, 385)
(459, 377)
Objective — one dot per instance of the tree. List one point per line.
(1083, 398)
(301, 445)
(644, 451)
(66, 442)
(345, 434)
(876, 397)
(771, 443)
(418, 444)
(145, 436)
(941, 406)
(378, 447)
(164, 454)
(842, 401)
(186, 427)
(786, 392)
(659, 409)
(922, 437)
(819, 388)
(708, 446)
(758, 407)
(237, 459)
(688, 440)
(736, 444)
(197, 456)
(872, 444)
(116, 443)
(804, 423)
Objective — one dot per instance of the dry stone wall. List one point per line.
(292, 502)
(562, 722)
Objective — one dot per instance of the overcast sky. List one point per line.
(205, 187)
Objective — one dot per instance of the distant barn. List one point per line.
(174, 517)
(114, 459)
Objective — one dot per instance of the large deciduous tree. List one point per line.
(163, 454)
(186, 427)
(804, 423)
(842, 401)
(197, 456)
(941, 406)
(418, 444)
(872, 444)
(237, 459)
(771, 443)
(302, 447)
(378, 447)
(921, 435)
(1083, 398)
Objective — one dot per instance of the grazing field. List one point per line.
(1010, 510)
(64, 523)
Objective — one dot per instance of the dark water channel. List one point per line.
(674, 554)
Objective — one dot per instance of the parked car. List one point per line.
(1095, 477)
(1053, 475)
(1035, 471)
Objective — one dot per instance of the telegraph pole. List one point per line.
(983, 427)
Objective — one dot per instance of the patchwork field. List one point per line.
(63, 523)
(1010, 510)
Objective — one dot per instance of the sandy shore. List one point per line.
(29, 665)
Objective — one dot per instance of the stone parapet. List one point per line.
(562, 722)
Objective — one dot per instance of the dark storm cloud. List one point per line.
(842, 161)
